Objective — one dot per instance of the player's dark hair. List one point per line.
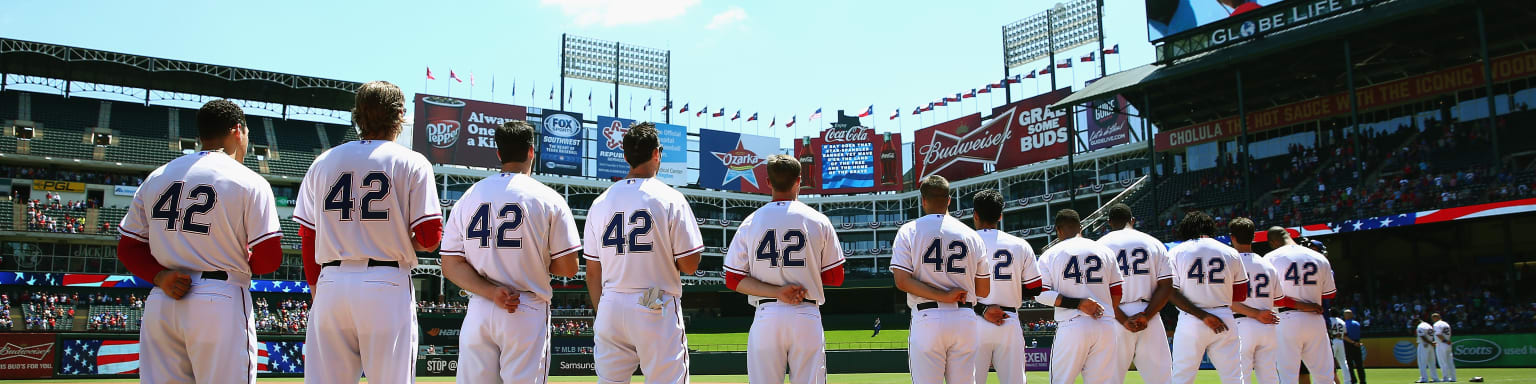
(1069, 219)
(379, 110)
(1242, 230)
(1119, 215)
(216, 118)
(640, 143)
(513, 139)
(989, 205)
(1196, 224)
(783, 172)
(1277, 236)
(934, 188)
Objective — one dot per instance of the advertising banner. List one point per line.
(1455, 79)
(438, 365)
(560, 143)
(1170, 17)
(734, 161)
(50, 279)
(440, 329)
(57, 186)
(458, 131)
(124, 190)
(1037, 359)
(1021, 133)
(849, 158)
(674, 154)
(1107, 127)
(26, 355)
(1488, 351)
(121, 357)
(955, 149)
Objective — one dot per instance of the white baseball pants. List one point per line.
(1303, 338)
(1427, 363)
(630, 336)
(209, 336)
(1086, 347)
(1192, 339)
(1258, 349)
(1148, 348)
(1340, 360)
(501, 347)
(785, 335)
(941, 347)
(1446, 362)
(363, 323)
(1000, 346)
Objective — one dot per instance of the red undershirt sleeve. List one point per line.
(1114, 290)
(1239, 292)
(266, 256)
(307, 247)
(1285, 301)
(832, 277)
(136, 257)
(733, 279)
(428, 233)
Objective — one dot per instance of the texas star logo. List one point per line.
(739, 164)
(614, 133)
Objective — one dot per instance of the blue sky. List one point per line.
(778, 58)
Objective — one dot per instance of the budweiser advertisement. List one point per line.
(735, 161)
(849, 158)
(27, 355)
(461, 132)
(1021, 133)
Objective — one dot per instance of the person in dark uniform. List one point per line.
(1353, 347)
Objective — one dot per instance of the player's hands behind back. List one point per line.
(1134, 323)
(791, 294)
(994, 315)
(1214, 322)
(1091, 308)
(174, 284)
(1268, 317)
(953, 296)
(508, 299)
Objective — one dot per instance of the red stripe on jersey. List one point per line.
(1285, 301)
(1240, 292)
(1330, 296)
(1114, 290)
(1033, 284)
(733, 279)
(833, 277)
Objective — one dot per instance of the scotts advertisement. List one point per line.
(27, 355)
(459, 131)
(735, 161)
(560, 143)
(610, 150)
(849, 158)
(1107, 123)
(1021, 133)
(1510, 350)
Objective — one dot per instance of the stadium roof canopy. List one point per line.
(1388, 41)
(54, 61)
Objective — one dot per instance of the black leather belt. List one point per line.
(371, 263)
(216, 275)
(1008, 309)
(766, 301)
(934, 304)
(1284, 310)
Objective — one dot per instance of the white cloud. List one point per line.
(612, 13)
(733, 16)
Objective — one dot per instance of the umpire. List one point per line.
(1353, 347)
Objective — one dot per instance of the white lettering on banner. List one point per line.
(856, 133)
(443, 133)
(983, 145)
(1045, 129)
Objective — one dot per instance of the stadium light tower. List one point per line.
(1062, 27)
(613, 62)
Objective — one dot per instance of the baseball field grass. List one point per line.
(1380, 376)
(836, 340)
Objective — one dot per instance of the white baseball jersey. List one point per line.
(1304, 274)
(1426, 332)
(362, 199)
(1205, 270)
(940, 250)
(1011, 261)
(1143, 261)
(509, 226)
(1082, 269)
(785, 242)
(1335, 328)
(1261, 281)
(202, 212)
(637, 229)
(1442, 329)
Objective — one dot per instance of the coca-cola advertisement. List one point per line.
(458, 131)
(1107, 123)
(26, 355)
(1021, 133)
(849, 157)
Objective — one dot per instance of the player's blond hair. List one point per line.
(783, 172)
(379, 110)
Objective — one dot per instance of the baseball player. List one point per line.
(1209, 277)
(365, 208)
(1011, 261)
(1143, 261)
(1305, 281)
(937, 261)
(1336, 339)
(502, 240)
(1255, 316)
(1443, 345)
(780, 258)
(639, 235)
(198, 228)
(1426, 335)
(1080, 278)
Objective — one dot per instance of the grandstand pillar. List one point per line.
(1242, 147)
(1007, 87)
(666, 99)
(1146, 129)
(1098, 176)
(1071, 155)
(1099, 18)
(563, 40)
(1050, 44)
(1354, 103)
(1493, 126)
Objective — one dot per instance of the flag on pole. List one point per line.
(1065, 63)
(941, 102)
(471, 78)
(1115, 50)
(1087, 58)
(773, 122)
(1046, 71)
(589, 97)
(955, 99)
(816, 115)
(895, 114)
(736, 116)
(570, 94)
(917, 110)
(719, 113)
(753, 117)
(454, 76)
(1031, 75)
(868, 111)
(970, 94)
(667, 107)
(986, 89)
(791, 122)
(611, 101)
(514, 88)
(429, 74)
(701, 111)
(683, 109)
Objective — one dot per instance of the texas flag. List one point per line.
(736, 116)
(667, 107)
(917, 110)
(791, 122)
(895, 114)
(1031, 75)
(701, 111)
(683, 109)
(719, 113)
(868, 111)
(1065, 63)
(986, 89)
(816, 115)
(753, 117)
(647, 105)
(1046, 71)
(1087, 58)
(773, 122)
(970, 94)
(942, 102)
(1115, 50)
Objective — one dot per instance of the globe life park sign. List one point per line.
(1254, 24)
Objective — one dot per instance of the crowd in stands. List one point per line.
(5, 312)
(288, 316)
(441, 307)
(111, 321)
(570, 327)
(39, 219)
(37, 173)
(1040, 326)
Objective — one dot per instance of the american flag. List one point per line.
(110, 357)
(280, 357)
